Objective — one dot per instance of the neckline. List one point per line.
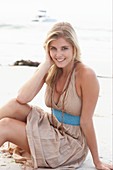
(52, 99)
(64, 88)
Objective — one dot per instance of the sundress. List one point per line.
(49, 147)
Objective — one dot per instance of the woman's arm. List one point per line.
(29, 90)
(90, 92)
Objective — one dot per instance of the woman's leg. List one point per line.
(15, 110)
(14, 131)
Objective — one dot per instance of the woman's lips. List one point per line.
(60, 59)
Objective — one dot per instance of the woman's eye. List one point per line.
(64, 48)
(53, 48)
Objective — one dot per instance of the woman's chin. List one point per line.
(60, 65)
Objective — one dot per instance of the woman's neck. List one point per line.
(66, 70)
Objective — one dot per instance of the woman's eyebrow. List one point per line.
(65, 46)
(52, 46)
(61, 46)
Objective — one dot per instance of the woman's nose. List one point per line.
(59, 53)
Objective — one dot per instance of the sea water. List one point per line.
(25, 41)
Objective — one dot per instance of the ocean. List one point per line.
(25, 41)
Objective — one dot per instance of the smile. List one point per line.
(60, 60)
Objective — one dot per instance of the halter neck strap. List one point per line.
(65, 92)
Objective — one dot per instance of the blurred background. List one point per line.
(25, 23)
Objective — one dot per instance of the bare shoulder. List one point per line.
(84, 72)
(85, 79)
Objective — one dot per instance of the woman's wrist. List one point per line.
(96, 162)
(43, 67)
(48, 63)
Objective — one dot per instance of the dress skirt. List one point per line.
(49, 148)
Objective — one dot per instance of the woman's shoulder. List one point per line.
(83, 71)
(86, 79)
(85, 75)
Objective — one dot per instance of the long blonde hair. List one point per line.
(66, 31)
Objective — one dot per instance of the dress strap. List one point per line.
(63, 99)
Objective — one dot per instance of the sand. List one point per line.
(11, 79)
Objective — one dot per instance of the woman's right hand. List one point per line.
(48, 59)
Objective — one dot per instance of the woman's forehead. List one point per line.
(60, 41)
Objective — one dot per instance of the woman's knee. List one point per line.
(5, 123)
(15, 107)
(15, 110)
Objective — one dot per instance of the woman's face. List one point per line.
(61, 51)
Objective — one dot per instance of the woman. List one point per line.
(61, 139)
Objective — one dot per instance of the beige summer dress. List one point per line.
(49, 148)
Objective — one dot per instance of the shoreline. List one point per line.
(9, 65)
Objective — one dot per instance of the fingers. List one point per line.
(104, 166)
(109, 166)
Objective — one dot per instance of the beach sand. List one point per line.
(12, 78)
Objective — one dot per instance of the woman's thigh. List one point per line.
(15, 110)
(14, 131)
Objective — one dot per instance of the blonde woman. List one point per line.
(62, 138)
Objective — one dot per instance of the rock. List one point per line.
(3, 165)
(26, 63)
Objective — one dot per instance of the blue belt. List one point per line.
(67, 118)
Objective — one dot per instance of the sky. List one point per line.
(88, 10)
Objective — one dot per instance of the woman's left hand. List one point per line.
(103, 166)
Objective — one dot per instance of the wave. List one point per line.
(84, 28)
(12, 26)
(94, 29)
